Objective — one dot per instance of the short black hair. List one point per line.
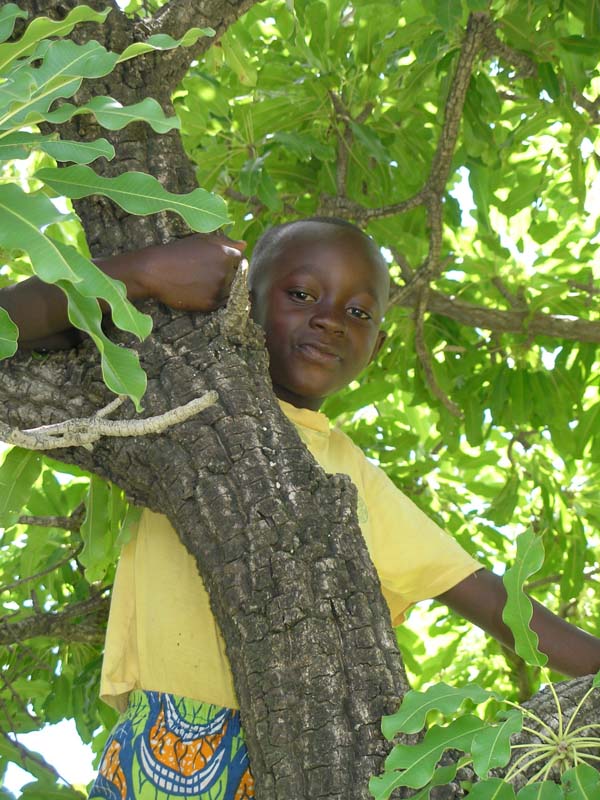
(271, 238)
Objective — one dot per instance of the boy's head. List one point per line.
(319, 289)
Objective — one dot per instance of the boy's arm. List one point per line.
(192, 274)
(480, 598)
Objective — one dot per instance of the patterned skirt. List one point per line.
(165, 747)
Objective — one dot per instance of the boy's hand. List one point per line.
(192, 274)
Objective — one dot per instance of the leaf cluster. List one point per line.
(38, 72)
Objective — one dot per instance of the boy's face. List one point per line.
(320, 299)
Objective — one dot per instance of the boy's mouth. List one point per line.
(319, 352)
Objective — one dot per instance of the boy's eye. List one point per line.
(299, 294)
(358, 313)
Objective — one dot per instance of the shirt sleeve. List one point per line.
(415, 559)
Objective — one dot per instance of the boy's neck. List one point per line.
(310, 403)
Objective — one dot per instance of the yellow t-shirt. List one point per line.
(162, 635)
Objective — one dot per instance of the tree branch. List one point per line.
(425, 358)
(85, 431)
(344, 142)
(492, 319)
(177, 17)
(70, 523)
(591, 106)
(78, 622)
(34, 763)
(496, 47)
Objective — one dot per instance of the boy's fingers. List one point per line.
(232, 251)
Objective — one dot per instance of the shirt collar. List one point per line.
(306, 418)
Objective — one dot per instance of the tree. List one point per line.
(366, 112)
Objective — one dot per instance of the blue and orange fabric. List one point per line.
(165, 747)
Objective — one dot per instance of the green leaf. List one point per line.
(18, 473)
(21, 143)
(9, 14)
(43, 790)
(581, 783)
(440, 697)
(162, 41)
(8, 335)
(114, 116)
(448, 13)
(541, 791)
(237, 59)
(491, 747)
(139, 193)
(129, 524)
(503, 505)
(22, 216)
(441, 777)
(518, 609)
(580, 45)
(572, 578)
(98, 545)
(418, 761)
(64, 66)
(120, 366)
(589, 422)
(42, 28)
(31, 761)
(492, 789)
(79, 152)
(549, 79)
(93, 282)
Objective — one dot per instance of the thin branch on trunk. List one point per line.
(501, 321)
(83, 432)
(344, 142)
(70, 523)
(34, 763)
(425, 357)
(78, 622)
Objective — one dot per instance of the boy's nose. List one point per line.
(330, 320)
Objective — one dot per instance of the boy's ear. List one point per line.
(381, 337)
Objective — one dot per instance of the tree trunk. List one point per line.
(276, 540)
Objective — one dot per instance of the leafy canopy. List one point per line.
(484, 407)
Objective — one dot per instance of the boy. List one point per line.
(319, 289)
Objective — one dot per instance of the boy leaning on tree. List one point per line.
(319, 288)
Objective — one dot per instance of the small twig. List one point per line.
(85, 431)
(237, 311)
(555, 578)
(515, 300)
(517, 58)
(424, 358)
(18, 699)
(70, 523)
(36, 762)
(405, 269)
(585, 287)
(344, 139)
(365, 113)
(110, 407)
(422, 277)
(59, 624)
(591, 106)
(71, 555)
(341, 206)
